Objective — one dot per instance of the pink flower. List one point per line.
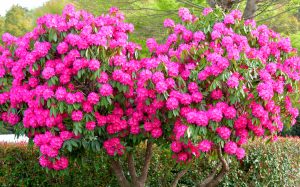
(176, 147)
(47, 94)
(205, 146)
(169, 23)
(101, 120)
(215, 114)
(66, 135)
(113, 146)
(240, 123)
(44, 161)
(103, 78)
(172, 103)
(197, 97)
(193, 87)
(229, 19)
(62, 48)
(48, 72)
(271, 68)
(229, 112)
(185, 14)
(223, 132)
(182, 157)
(63, 163)
(106, 90)
(90, 125)
(151, 44)
(230, 148)
(233, 81)
(199, 36)
(265, 91)
(94, 65)
(156, 133)
(161, 87)
(77, 115)
(56, 143)
(93, 98)
(206, 11)
(240, 153)
(216, 94)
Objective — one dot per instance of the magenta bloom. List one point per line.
(77, 115)
(106, 90)
(230, 148)
(90, 125)
(240, 153)
(93, 98)
(161, 87)
(206, 11)
(169, 23)
(56, 143)
(94, 65)
(48, 72)
(223, 132)
(156, 133)
(62, 48)
(172, 103)
(229, 112)
(205, 146)
(176, 147)
(216, 94)
(233, 81)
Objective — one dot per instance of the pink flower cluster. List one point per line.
(113, 146)
(50, 145)
(211, 89)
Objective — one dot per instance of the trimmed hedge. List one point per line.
(277, 164)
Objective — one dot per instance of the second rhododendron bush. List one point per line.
(76, 81)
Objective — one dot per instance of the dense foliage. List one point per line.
(18, 167)
(76, 82)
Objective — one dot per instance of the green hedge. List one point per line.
(277, 164)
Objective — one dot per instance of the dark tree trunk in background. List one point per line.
(250, 9)
(225, 4)
(249, 12)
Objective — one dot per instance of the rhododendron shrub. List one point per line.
(76, 82)
(224, 80)
(70, 83)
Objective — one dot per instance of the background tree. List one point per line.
(17, 21)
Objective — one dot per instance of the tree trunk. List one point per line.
(148, 156)
(224, 4)
(135, 180)
(178, 177)
(213, 180)
(116, 167)
(250, 9)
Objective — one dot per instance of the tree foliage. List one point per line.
(17, 21)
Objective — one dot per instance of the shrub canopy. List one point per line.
(76, 82)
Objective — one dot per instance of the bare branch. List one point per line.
(278, 14)
(190, 4)
(116, 167)
(178, 177)
(148, 156)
